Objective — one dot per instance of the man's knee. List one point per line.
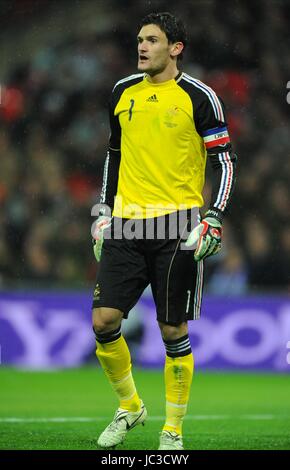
(172, 332)
(106, 319)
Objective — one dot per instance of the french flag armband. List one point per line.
(215, 137)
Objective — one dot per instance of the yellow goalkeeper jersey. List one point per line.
(158, 130)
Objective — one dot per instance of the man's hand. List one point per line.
(102, 223)
(208, 236)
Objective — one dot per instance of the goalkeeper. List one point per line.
(164, 124)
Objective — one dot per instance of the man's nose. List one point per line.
(142, 47)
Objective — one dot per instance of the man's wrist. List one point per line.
(215, 213)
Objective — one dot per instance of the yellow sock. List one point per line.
(178, 377)
(115, 360)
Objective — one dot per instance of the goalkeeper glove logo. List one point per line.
(207, 235)
(101, 224)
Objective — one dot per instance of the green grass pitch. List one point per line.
(68, 409)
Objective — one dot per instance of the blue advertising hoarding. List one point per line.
(53, 330)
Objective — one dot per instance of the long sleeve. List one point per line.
(211, 124)
(110, 177)
(112, 162)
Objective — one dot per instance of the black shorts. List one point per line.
(152, 252)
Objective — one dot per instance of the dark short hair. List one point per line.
(173, 27)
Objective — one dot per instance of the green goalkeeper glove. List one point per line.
(102, 223)
(208, 235)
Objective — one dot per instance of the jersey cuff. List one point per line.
(214, 212)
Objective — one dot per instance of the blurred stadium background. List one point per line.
(59, 61)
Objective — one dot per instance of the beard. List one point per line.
(153, 70)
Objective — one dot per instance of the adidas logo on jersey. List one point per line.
(152, 99)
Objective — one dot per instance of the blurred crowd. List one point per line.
(54, 132)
